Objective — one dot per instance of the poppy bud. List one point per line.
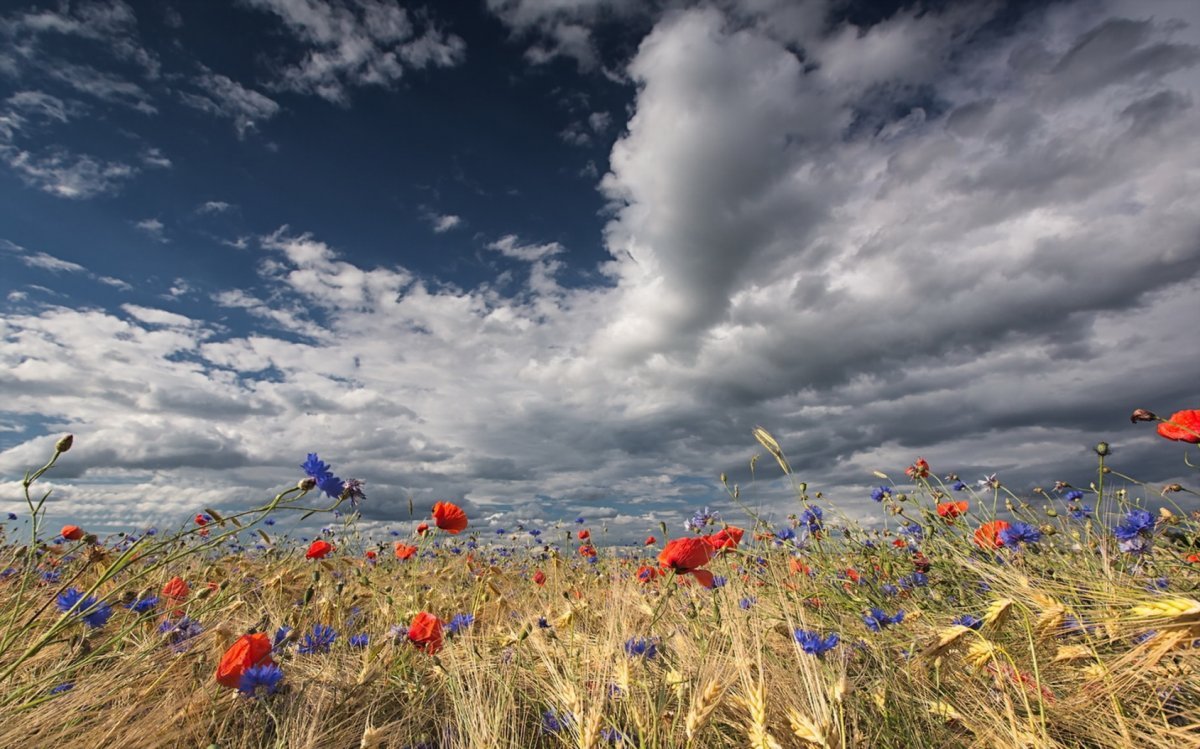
(1102, 449)
(1051, 512)
(308, 595)
(308, 483)
(1142, 414)
(1171, 488)
(64, 443)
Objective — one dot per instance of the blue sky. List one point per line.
(553, 257)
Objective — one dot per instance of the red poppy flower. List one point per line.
(449, 517)
(918, 470)
(987, 536)
(247, 651)
(203, 532)
(686, 555)
(1183, 426)
(799, 568)
(318, 550)
(71, 532)
(201, 519)
(587, 550)
(539, 577)
(1193, 559)
(404, 551)
(899, 543)
(726, 538)
(422, 528)
(650, 541)
(646, 573)
(426, 632)
(585, 534)
(371, 554)
(951, 510)
(853, 575)
(176, 589)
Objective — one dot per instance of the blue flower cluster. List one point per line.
(1135, 533)
(1019, 533)
(92, 613)
(265, 677)
(814, 644)
(702, 520)
(641, 647)
(880, 493)
(813, 517)
(459, 623)
(320, 472)
(318, 641)
(877, 619)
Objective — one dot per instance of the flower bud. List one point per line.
(1102, 449)
(308, 483)
(1142, 414)
(64, 443)
(1171, 488)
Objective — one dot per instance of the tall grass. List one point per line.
(1070, 640)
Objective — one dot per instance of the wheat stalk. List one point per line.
(703, 704)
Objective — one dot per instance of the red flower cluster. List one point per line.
(449, 517)
(987, 536)
(246, 652)
(318, 550)
(918, 470)
(951, 510)
(426, 633)
(404, 551)
(1183, 426)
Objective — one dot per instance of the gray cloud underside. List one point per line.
(985, 253)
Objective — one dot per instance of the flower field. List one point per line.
(973, 617)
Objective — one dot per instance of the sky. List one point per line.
(549, 258)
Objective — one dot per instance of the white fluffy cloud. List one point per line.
(360, 43)
(902, 245)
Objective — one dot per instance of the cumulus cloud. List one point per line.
(444, 223)
(563, 28)
(910, 242)
(361, 43)
(152, 228)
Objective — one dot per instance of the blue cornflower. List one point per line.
(1136, 522)
(580, 520)
(812, 517)
(535, 532)
(880, 493)
(612, 735)
(1019, 533)
(555, 722)
(959, 485)
(318, 641)
(913, 530)
(641, 646)
(142, 605)
(878, 619)
(179, 634)
(1073, 496)
(501, 531)
(352, 490)
(968, 621)
(915, 580)
(719, 581)
(269, 521)
(51, 576)
(319, 470)
(889, 589)
(702, 519)
(92, 613)
(12, 516)
(1081, 512)
(786, 533)
(459, 623)
(812, 643)
(264, 677)
(542, 623)
(1138, 639)
(281, 636)
(1158, 583)
(747, 602)
(64, 687)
